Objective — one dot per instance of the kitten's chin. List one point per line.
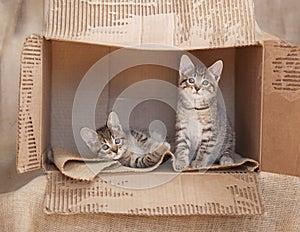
(197, 95)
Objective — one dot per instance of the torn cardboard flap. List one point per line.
(214, 194)
(74, 166)
(281, 107)
(186, 24)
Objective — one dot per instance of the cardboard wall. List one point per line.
(281, 107)
(70, 62)
(248, 99)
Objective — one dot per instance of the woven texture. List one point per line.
(23, 211)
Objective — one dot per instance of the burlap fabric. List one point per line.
(23, 211)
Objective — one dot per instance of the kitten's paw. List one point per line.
(165, 147)
(160, 148)
(196, 164)
(226, 160)
(180, 164)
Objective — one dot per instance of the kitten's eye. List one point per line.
(105, 147)
(205, 82)
(118, 141)
(191, 80)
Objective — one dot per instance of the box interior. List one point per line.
(66, 63)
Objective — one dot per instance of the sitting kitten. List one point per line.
(203, 134)
(132, 149)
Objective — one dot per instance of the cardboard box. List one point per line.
(259, 85)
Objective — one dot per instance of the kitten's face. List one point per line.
(108, 142)
(199, 82)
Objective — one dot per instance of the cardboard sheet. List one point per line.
(74, 166)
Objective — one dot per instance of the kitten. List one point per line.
(203, 134)
(133, 149)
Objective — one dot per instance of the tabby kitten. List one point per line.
(132, 149)
(203, 134)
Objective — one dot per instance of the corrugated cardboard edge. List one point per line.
(29, 116)
(185, 24)
(235, 194)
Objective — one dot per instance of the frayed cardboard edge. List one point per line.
(59, 188)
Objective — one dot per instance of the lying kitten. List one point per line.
(132, 149)
(203, 134)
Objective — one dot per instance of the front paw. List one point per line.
(196, 164)
(226, 160)
(180, 164)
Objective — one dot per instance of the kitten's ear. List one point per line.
(90, 137)
(186, 65)
(216, 69)
(113, 122)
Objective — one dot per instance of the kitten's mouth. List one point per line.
(116, 157)
(202, 108)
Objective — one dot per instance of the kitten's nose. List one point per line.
(114, 149)
(197, 88)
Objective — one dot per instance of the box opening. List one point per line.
(70, 61)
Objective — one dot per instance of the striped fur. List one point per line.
(203, 134)
(132, 149)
